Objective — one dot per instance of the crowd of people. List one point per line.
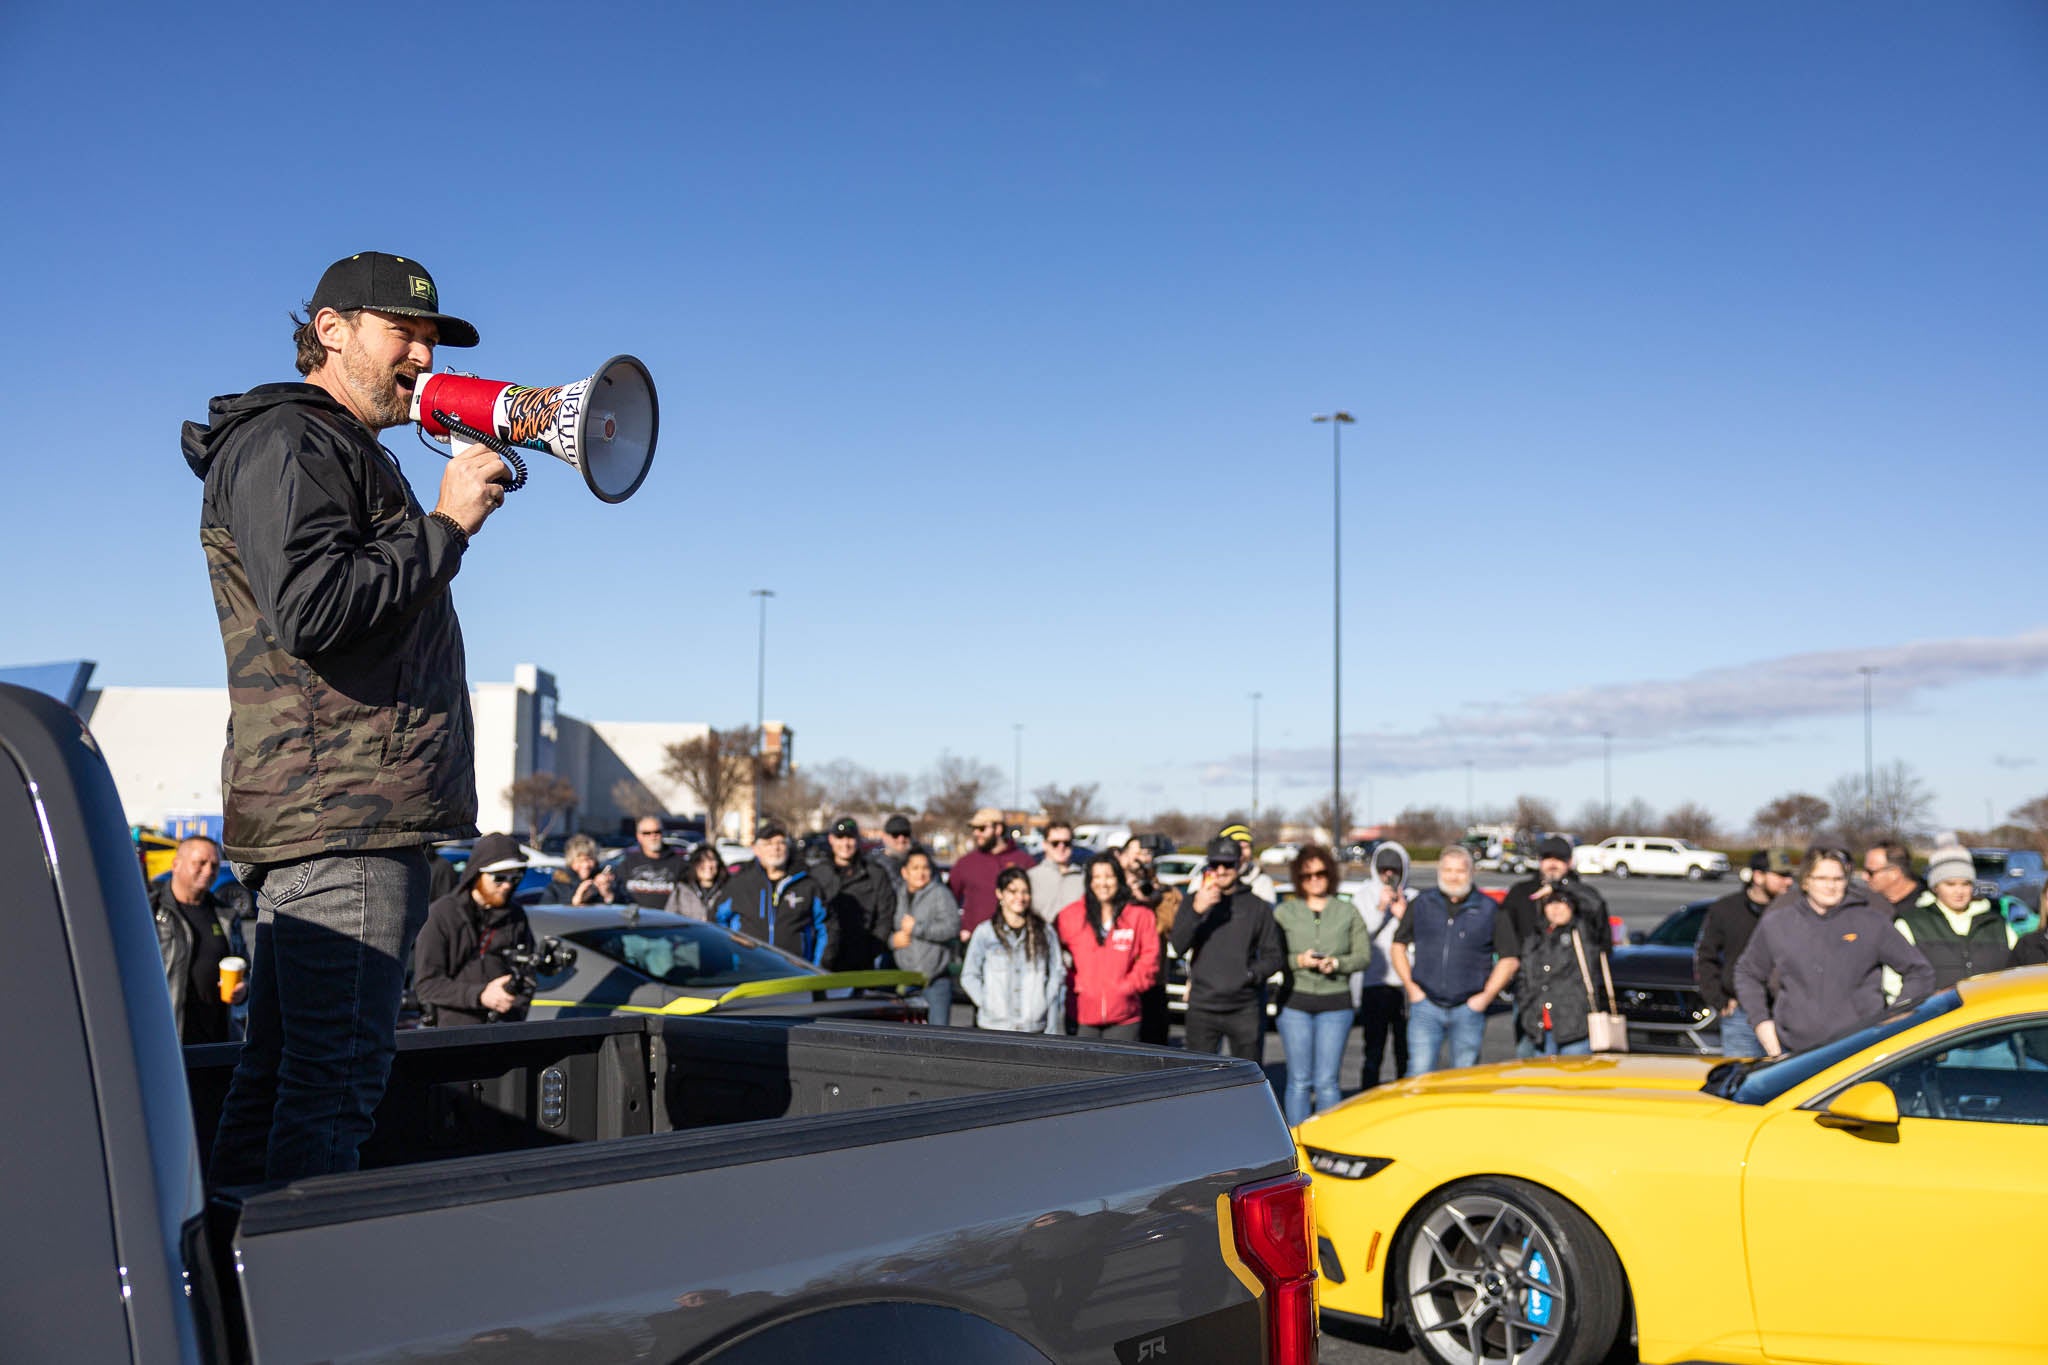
(1059, 944)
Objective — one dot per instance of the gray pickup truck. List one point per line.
(741, 1191)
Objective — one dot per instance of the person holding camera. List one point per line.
(1226, 932)
(1326, 942)
(459, 969)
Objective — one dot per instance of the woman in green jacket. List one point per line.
(1326, 943)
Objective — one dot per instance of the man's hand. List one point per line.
(1206, 897)
(1416, 995)
(473, 487)
(241, 992)
(498, 997)
(1478, 1002)
(1728, 1009)
(1767, 1038)
(966, 934)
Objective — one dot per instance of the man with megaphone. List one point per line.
(350, 746)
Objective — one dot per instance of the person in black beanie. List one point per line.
(1523, 905)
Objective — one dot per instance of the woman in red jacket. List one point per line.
(1114, 943)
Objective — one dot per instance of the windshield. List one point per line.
(1989, 864)
(691, 954)
(1681, 930)
(1754, 1082)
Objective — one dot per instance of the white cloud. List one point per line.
(1721, 706)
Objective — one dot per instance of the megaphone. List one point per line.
(603, 426)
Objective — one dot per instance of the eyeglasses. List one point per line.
(505, 876)
(643, 833)
(1059, 843)
(981, 827)
(1320, 874)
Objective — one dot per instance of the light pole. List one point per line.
(1607, 776)
(1368, 800)
(760, 703)
(1468, 793)
(1255, 755)
(1338, 420)
(1017, 766)
(1869, 771)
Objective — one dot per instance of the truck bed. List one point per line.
(752, 1166)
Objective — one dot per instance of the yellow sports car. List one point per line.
(1881, 1198)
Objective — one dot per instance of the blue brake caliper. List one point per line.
(1538, 1304)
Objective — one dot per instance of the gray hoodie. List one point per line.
(1827, 968)
(936, 929)
(1379, 924)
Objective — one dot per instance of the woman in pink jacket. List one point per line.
(1114, 944)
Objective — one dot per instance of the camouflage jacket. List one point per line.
(349, 724)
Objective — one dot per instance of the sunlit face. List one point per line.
(844, 846)
(773, 852)
(987, 835)
(1826, 885)
(1014, 900)
(1956, 893)
(1059, 845)
(898, 845)
(379, 360)
(584, 865)
(917, 873)
(648, 835)
(1102, 881)
(494, 889)
(1223, 876)
(1314, 878)
(1454, 876)
(1775, 883)
(193, 869)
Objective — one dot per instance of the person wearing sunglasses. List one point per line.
(973, 878)
(1815, 965)
(1326, 942)
(458, 965)
(1056, 882)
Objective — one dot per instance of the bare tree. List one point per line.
(796, 801)
(1690, 820)
(954, 788)
(1635, 818)
(2033, 817)
(1534, 814)
(1075, 805)
(1426, 826)
(544, 797)
(1592, 824)
(1183, 827)
(1904, 806)
(1339, 822)
(1794, 818)
(716, 765)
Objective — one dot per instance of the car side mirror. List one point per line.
(1869, 1105)
(1638, 936)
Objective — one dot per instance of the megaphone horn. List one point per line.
(603, 426)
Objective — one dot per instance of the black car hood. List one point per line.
(1653, 966)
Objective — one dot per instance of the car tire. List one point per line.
(1692, 873)
(1456, 1296)
(1621, 871)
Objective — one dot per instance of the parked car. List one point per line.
(1656, 987)
(1705, 1208)
(2016, 872)
(1102, 838)
(1630, 855)
(657, 963)
(1279, 855)
(1177, 869)
(721, 1190)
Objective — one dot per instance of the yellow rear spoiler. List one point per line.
(794, 985)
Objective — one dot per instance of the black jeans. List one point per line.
(1383, 1012)
(1115, 1033)
(334, 935)
(1245, 1028)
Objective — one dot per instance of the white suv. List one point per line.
(1659, 856)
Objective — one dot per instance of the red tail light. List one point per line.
(1274, 1222)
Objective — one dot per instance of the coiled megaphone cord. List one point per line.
(502, 449)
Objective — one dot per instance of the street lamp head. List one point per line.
(1338, 416)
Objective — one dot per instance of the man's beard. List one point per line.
(376, 389)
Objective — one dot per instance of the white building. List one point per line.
(164, 746)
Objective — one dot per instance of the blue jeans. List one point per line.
(334, 934)
(938, 997)
(1552, 1048)
(1430, 1024)
(1738, 1039)
(1314, 1043)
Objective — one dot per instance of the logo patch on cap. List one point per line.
(422, 289)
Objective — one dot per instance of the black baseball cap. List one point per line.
(898, 825)
(389, 284)
(769, 829)
(846, 827)
(1223, 849)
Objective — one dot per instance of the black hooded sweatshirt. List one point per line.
(461, 950)
(349, 724)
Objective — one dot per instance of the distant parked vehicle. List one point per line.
(1279, 854)
(1102, 838)
(1631, 855)
(2016, 872)
(1177, 869)
(1656, 987)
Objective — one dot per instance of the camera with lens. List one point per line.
(527, 965)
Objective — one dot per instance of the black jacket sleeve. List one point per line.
(1269, 957)
(1714, 976)
(1186, 925)
(299, 522)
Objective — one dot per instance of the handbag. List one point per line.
(1605, 1032)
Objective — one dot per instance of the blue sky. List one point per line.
(1697, 352)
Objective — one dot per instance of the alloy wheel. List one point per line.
(1485, 1284)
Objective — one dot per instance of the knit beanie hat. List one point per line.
(1949, 865)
